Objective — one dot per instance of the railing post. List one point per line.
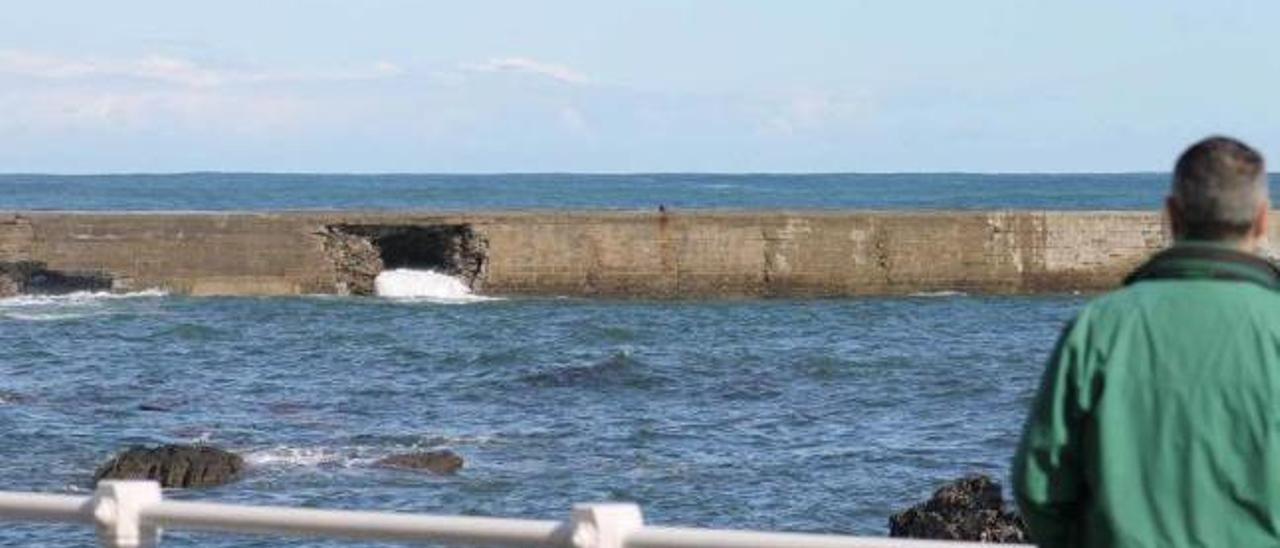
(605, 525)
(117, 509)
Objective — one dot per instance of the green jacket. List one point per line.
(1157, 422)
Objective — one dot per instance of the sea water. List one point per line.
(803, 415)
(231, 191)
(807, 415)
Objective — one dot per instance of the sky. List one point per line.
(631, 86)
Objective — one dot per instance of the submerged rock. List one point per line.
(174, 466)
(971, 508)
(437, 462)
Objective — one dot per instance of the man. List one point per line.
(1158, 419)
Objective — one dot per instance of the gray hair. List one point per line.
(1218, 185)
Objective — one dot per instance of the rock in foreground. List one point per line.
(971, 508)
(180, 466)
(437, 462)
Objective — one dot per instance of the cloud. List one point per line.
(124, 112)
(525, 65)
(170, 70)
(809, 111)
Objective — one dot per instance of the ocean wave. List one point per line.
(188, 332)
(77, 298)
(433, 442)
(443, 300)
(46, 317)
(424, 286)
(619, 369)
(939, 294)
(70, 306)
(352, 456)
(309, 457)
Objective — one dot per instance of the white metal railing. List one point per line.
(131, 514)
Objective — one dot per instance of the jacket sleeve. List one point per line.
(1047, 478)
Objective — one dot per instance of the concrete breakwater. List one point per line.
(695, 254)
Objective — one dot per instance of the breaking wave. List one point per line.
(424, 285)
(307, 457)
(939, 294)
(81, 304)
(347, 456)
(79, 297)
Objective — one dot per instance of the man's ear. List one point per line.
(1262, 221)
(1173, 210)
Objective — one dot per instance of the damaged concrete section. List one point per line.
(360, 252)
(35, 278)
(355, 259)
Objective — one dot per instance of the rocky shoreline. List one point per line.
(179, 466)
(971, 508)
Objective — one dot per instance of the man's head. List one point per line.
(1220, 193)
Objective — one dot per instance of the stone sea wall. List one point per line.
(694, 254)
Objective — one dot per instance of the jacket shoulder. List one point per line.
(1145, 297)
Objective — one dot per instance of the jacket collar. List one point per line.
(1194, 260)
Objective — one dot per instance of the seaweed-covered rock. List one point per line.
(181, 466)
(437, 462)
(971, 508)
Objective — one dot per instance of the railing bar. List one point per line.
(352, 524)
(679, 537)
(45, 507)
(414, 527)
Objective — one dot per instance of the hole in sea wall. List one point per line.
(360, 252)
(35, 278)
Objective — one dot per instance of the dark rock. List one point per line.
(356, 261)
(174, 466)
(36, 278)
(438, 462)
(971, 508)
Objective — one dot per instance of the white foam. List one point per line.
(938, 294)
(425, 285)
(45, 316)
(354, 456)
(77, 298)
(302, 456)
(70, 306)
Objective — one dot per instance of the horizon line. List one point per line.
(572, 173)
